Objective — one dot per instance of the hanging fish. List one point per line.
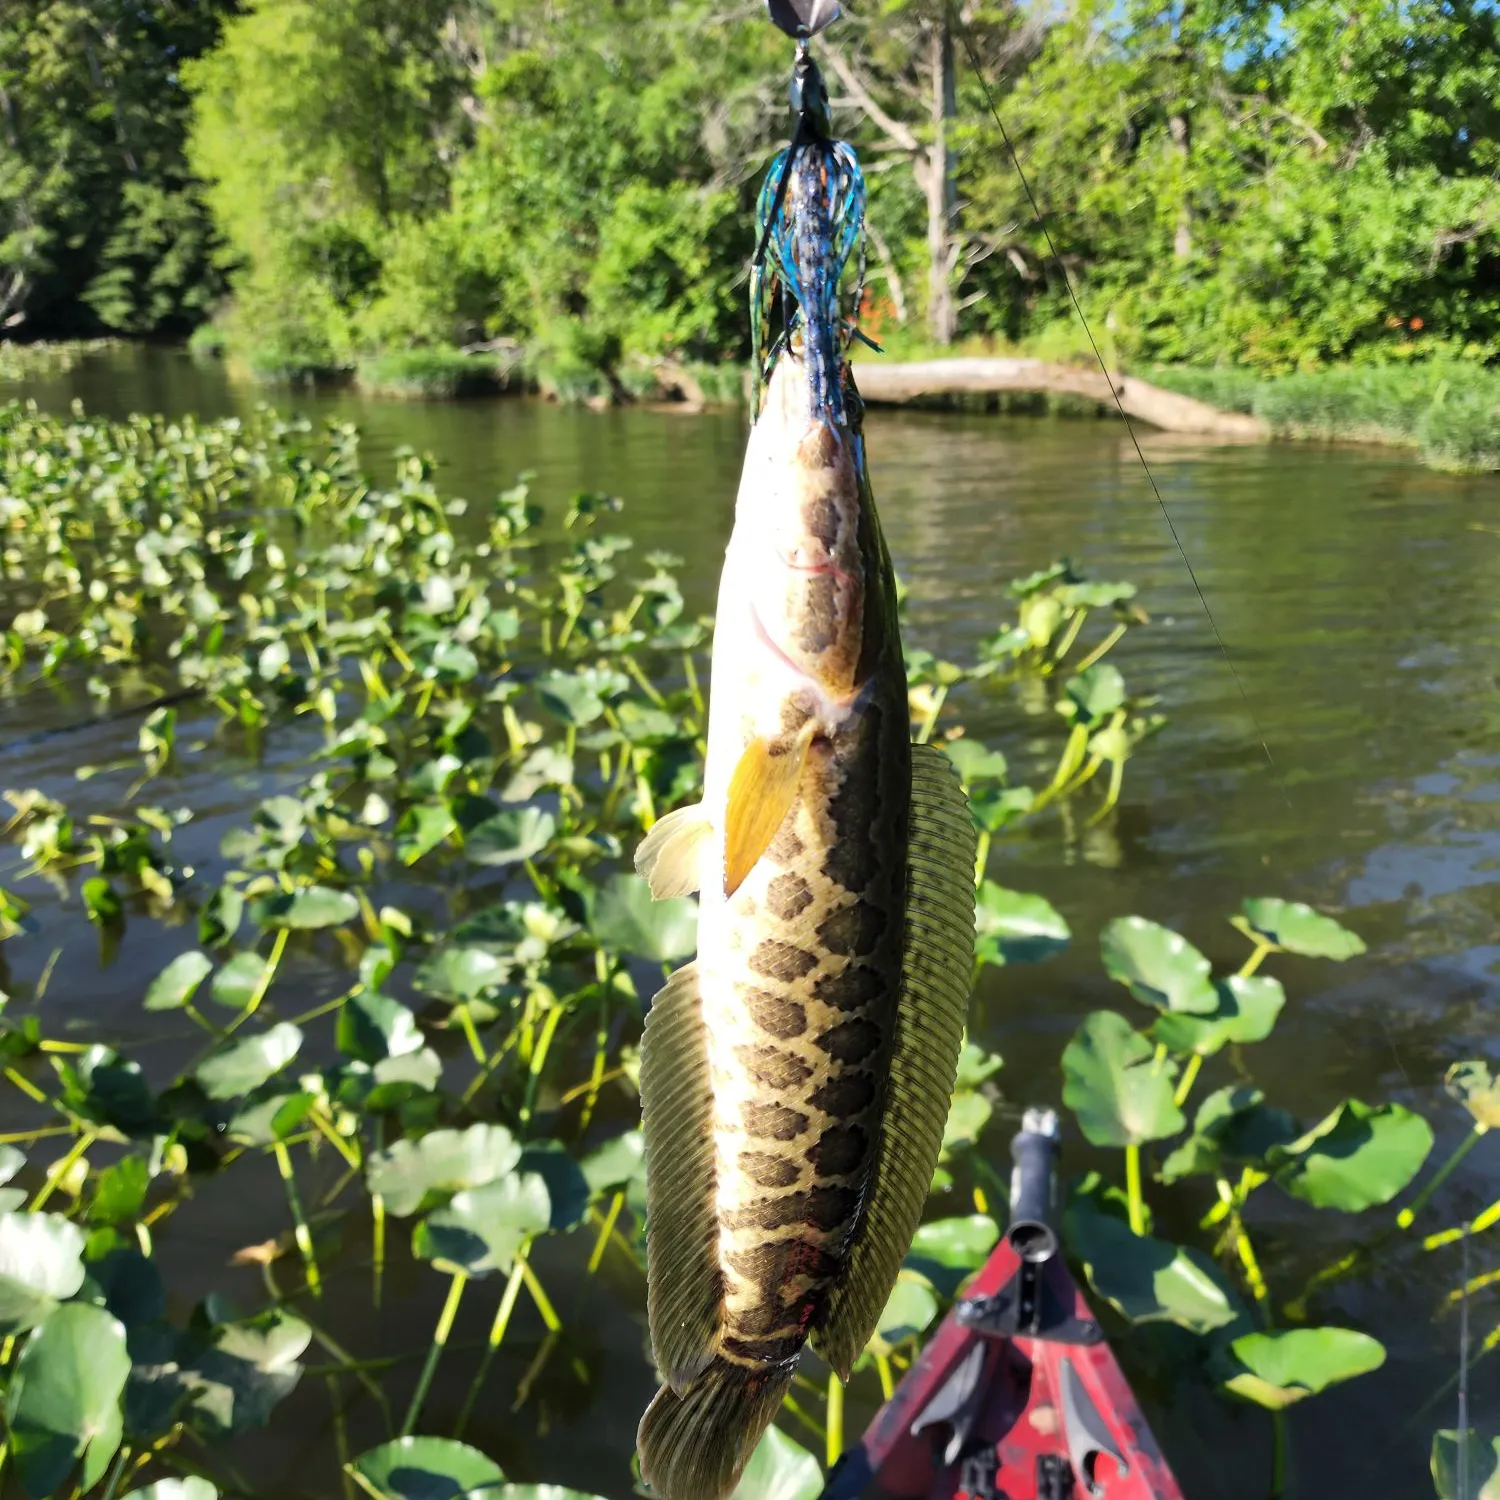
(795, 1078)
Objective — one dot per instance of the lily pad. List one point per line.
(441, 1163)
(1482, 1466)
(243, 1066)
(238, 980)
(1158, 966)
(425, 1468)
(1278, 1369)
(1146, 1279)
(946, 1251)
(1233, 1125)
(511, 836)
(1248, 1009)
(616, 1162)
(191, 1488)
(1299, 929)
(1354, 1158)
(1014, 927)
(244, 1371)
(627, 919)
(178, 982)
(976, 762)
(220, 917)
(63, 1404)
(909, 1311)
(780, 1469)
(41, 1264)
(373, 1027)
(573, 699)
(567, 1188)
(462, 974)
(481, 1229)
(1094, 694)
(104, 1087)
(1477, 1088)
(306, 910)
(1113, 1083)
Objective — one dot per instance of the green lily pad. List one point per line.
(1278, 1369)
(1014, 927)
(178, 982)
(547, 765)
(372, 1027)
(1111, 1081)
(411, 1173)
(120, 1191)
(615, 1163)
(306, 910)
(510, 837)
(425, 1468)
(968, 1114)
(568, 1189)
(1482, 1466)
(266, 1118)
(573, 699)
(946, 1251)
(63, 1404)
(1248, 1009)
(976, 762)
(244, 1065)
(1094, 694)
(41, 1264)
(975, 1065)
(462, 974)
(422, 829)
(1299, 929)
(1354, 1158)
(191, 1488)
(244, 1370)
(627, 919)
(482, 1228)
(102, 902)
(1477, 1088)
(1233, 1125)
(1146, 1279)
(909, 1311)
(236, 983)
(104, 1087)
(221, 916)
(1158, 966)
(780, 1469)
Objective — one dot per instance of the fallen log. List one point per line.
(882, 384)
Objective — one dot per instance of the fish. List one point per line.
(796, 1075)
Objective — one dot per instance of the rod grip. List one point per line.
(1033, 1187)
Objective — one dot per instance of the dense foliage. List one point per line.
(1273, 186)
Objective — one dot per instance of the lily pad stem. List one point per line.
(1133, 1189)
(439, 1339)
(1407, 1216)
(539, 1061)
(1188, 1079)
(301, 1229)
(496, 1338)
(59, 1170)
(539, 1296)
(1102, 649)
(834, 1446)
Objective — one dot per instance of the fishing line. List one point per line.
(1041, 220)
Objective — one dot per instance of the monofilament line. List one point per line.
(1041, 221)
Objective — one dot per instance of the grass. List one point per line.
(207, 341)
(431, 374)
(43, 360)
(1448, 411)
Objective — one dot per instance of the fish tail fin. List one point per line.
(694, 1446)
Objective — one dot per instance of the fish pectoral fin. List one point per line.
(937, 960)
(685, 1285)
(761, 793)
(671, 855)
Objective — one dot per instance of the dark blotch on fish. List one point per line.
(786, 846)
(775, 1122)
(848, 1094)
(769, 1171)
(850, 1041)
(776, 1262)
(821, 517)
(839, 1151)
(853, 989)
(853, 931)
(773, 1067)
(788, 896)
(765, 1351)
(778, 960)
(780, 1018)
(823, 1209)
(818, 622)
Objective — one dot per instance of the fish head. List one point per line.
(801, 508)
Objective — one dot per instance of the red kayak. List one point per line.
(1017, 1396)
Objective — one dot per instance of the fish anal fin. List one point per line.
(671, 855)
(761, 793)
(685, 1296)
(937, 960)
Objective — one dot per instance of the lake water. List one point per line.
(1345, 751)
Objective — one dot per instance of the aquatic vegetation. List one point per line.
(405, 976)
(431, 374)
(1448, 410)
(42, 361)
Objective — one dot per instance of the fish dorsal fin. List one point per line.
(936, 963)
(685, 1285)
(761, 793)
(671, 855)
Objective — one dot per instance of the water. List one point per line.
(1346, 753)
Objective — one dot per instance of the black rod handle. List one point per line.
(1033, 1187)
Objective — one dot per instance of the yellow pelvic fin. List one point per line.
(937, 959)
(685, 1287)
(761, 794)
(671, 855)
